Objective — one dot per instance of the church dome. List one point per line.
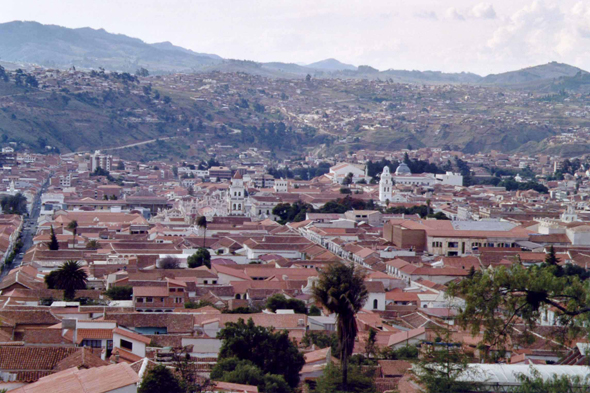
(403, 170)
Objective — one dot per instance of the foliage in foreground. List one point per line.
(357, 381)
(270, 351)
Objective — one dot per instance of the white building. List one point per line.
(385, 186)
(236, 197)
(100, 160)
(339, 172)
(281, 185)
(450, 179)
(403, 175)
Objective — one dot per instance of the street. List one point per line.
(28, 232)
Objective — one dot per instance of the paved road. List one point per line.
(28, 232)
(121, 147)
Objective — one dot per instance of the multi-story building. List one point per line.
(103, 161)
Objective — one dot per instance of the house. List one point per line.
(160, 298)
(128, 345)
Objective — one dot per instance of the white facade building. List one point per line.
(236, 197)
(385, 186)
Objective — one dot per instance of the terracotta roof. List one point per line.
(32, 363)
(235, 387)
(93, 380)
(94, 334)
(80, 359)
(390, 368)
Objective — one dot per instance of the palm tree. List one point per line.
(93, 245)
(70, 277)
(341, 289)
(202, 223)
(73, 226)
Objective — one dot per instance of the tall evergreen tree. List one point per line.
(53, 244)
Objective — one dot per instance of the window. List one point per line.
(179, 289)
(178, 300)
(214, 281)
(436, 244)
(149, 300)
(126, 345)
(205, 282)
(453, 244)
(172, 289)
(375, 304)
(139, 300)
(92, 343)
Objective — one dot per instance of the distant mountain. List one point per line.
(56, 46)
(331, 65)
(167, 45)
(543, 72)
(26, 43)
(430, 76)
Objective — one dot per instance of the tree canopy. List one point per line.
(69, 277)
(278, 301)
(160, 379)
(120, 293)
(200, 258)
(269, 350)
(496, 299)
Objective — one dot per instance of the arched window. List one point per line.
(238, 296)
(375, 304)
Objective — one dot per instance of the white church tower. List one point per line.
(236, 196)
(385, 186)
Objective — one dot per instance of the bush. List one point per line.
(200, 258)
(120, 293)
(358, 382)
(278, 301)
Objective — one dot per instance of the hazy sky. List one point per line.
(447, 35)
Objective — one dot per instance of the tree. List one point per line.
(14, 204)
(93, 245)
(441, 367)
(278, 301)
(535, 383)
(170, 262)
(245, 372)
(200, 258)
(51, 279)
(314, 311)
(69, 277)
(73, 226)
(341, 289)
(202, 223)
(160, 379)
(120, 293)
(332, 381)
(271, 351)
(142, 72)
(496, 299)
(53, 243)
(550, 258)
(348, 179)
(371, 344)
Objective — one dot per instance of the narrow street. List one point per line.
(28, 232)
